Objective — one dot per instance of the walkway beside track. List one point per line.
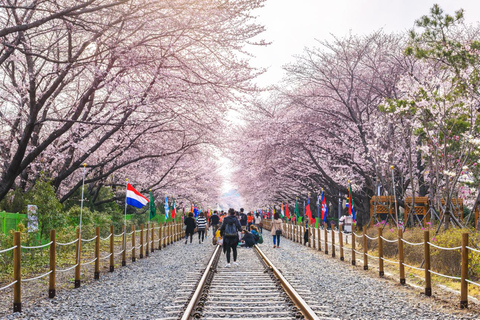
(143, 290)
(140, 290)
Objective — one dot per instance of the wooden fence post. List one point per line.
(380, 253)
(17, 274)
(464, 275)
(124, 246)
(310, 236)
(147, 247)
(134, 235)
(401, 257)
(96, 274)
(314, 245)
(53, 252)
(159, 236)
(326, 237)
(340, 230)
(428, 276)
(152, 248)
(354, 259)
(78, 258)
(112, 248)
(141, 241)
(164, 240)
(365, 258)
(319, 236)
(333, 241)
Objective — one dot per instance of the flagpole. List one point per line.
(149, 211)
(125, 215)
(81, 212)
(394, 195)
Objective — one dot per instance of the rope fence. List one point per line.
(38, 277)
(167, 234)
(8, 285)
(9, 249)
(89, 240)
(37, 247)
(67, 244)
(301, 234)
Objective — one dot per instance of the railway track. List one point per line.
(255, 289)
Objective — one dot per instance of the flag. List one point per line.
(135, 198)
(166, 208)
(308, 212)
(351, 209)
(195, 211)
(324, 208)
(297, 210)
(286, 211)
(174, 210)
(153, 210)
(282, 213)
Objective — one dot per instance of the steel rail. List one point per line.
(292, 293)
(198, 291)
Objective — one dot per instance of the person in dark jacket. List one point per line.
(230, 242)
(190, 229)
(243, 219)
(214, 221)
(248, 240)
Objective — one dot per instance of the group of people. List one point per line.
(231, 230)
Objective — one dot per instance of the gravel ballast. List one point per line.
(143, 289)
(140, 290)
(352, 293)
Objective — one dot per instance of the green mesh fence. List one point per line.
(9, 221)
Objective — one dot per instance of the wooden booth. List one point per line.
(382, 207)
(421, 208)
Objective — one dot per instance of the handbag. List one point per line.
(278, 232)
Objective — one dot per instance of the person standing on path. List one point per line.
(258, 222)
(201, 225)
(229, 232)
(243, 219)
(276, 231)
(214, 222)
(190, 229)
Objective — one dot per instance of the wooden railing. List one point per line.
(296, 232)
(167, 234)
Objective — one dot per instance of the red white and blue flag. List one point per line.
(135, 198)
(324, 207)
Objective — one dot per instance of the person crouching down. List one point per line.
(248, 240)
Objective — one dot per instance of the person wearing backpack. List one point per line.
(243, 219)
(276, 231)
(229, 232)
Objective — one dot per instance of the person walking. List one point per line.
(201, 225)
(258, 222)
(276, 231)
(249, 220)
(243, 219)
(190, 229)
(229, 232)
(214, 222)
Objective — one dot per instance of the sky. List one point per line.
(292, 25)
